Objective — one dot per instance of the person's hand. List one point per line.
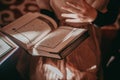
(79, 12)
(52, 73)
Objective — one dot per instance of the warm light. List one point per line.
(70, 75)
(52, 73)
(92, 67)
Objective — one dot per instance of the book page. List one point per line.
(7, 47)
(59, 39)
(4, 47)
(54, 38)
(32, 32)
(30, 28)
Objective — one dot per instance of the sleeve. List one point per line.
(110, 16)
(44, 4)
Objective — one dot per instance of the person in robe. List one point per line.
(84, 63)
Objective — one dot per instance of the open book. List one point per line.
(41, 36)
(7, 47)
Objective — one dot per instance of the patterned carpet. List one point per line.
(13, 9)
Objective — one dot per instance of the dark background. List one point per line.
(13, 9)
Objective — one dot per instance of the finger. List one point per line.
(78, 20)
(73, 20)
(75, 11)
(51, 75)
(48, 74)
(57, 77)
(69, 15)
(74, 5)
(71, 9)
